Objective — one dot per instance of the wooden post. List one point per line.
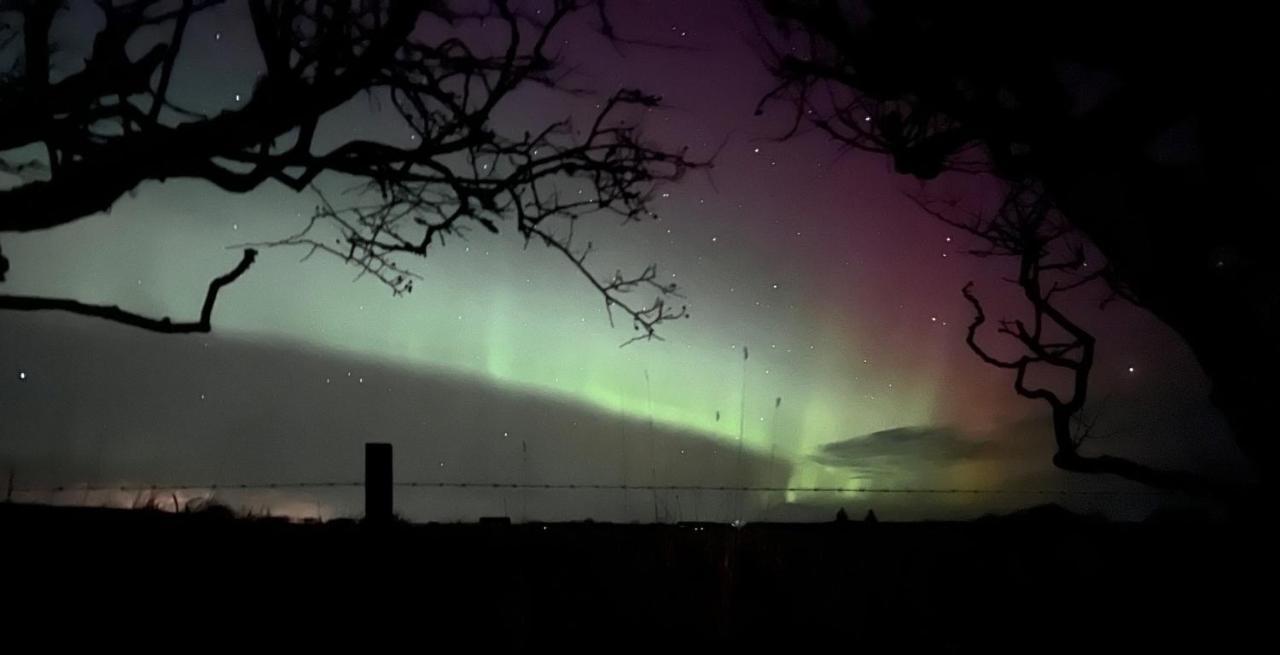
(377, 482)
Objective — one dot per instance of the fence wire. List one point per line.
(81, 488)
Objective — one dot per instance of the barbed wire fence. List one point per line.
(80, 488)
(378, 486)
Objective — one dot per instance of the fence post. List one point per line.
(377, 482)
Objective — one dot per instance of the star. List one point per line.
(22, 375)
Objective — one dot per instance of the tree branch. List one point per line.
(1183, 481)
(457, 168)
(1024, 227)
(117, 315)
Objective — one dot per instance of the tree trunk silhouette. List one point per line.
(1028, 228)
(1154, 153)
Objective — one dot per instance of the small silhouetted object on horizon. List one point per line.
(842, 516)
(377, 483)
(871, 517)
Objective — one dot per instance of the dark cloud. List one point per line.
(1014, 460)
(895, 447)
(107, 405)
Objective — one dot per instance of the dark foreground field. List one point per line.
(1051, 584)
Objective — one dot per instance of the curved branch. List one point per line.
(1020, 228)
(117, 315)
(1182, 481)
(980, 317)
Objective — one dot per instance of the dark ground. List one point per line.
(1048, 582)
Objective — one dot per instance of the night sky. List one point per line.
(502, 365)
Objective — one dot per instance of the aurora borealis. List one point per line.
(816, 260)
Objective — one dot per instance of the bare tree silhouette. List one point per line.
(108, 127)
(1051, 262)
(1146, 150)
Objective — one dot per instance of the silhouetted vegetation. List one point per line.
(95, 133)
(1146, 145)
(1052, 263)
